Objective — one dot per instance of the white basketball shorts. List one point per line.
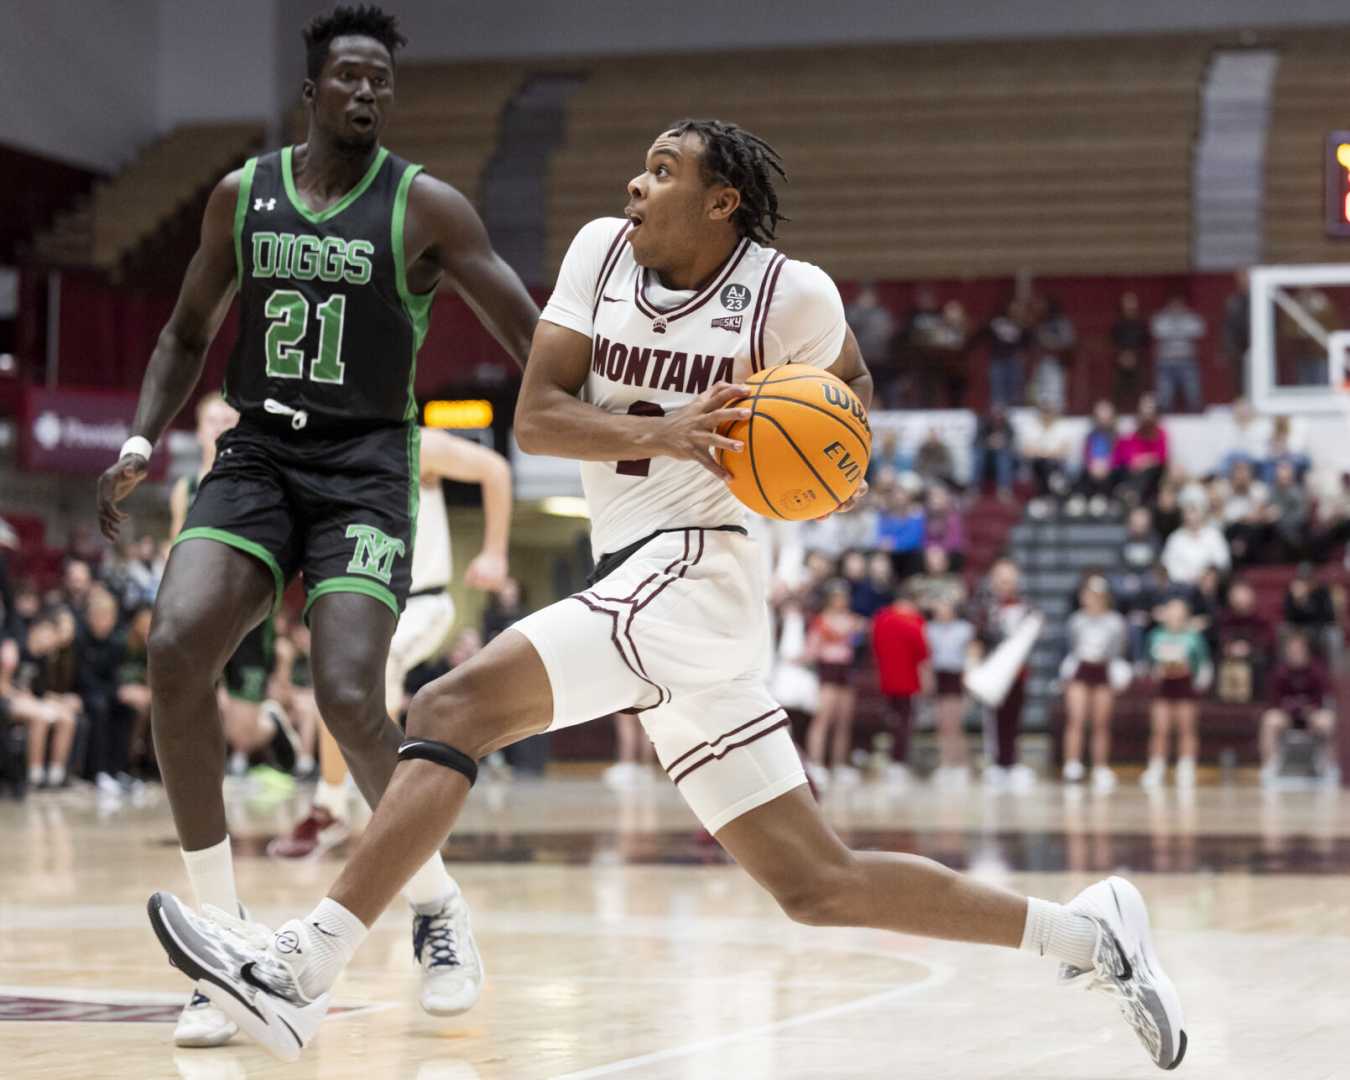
(677, 633)
(421, 630)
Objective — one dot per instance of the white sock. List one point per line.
(332, 797)
(56, 775)
(304, 763)
(211, 871)
(1054, 930)
(332, 934)
(35, 775)
(429, 887)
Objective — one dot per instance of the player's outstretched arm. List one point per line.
(448, 457)
(176, 362)
(445, 227)
(551, 419)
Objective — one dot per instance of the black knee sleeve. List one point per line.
(441, 754)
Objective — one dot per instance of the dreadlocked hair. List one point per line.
(363, 20)
(739, 159)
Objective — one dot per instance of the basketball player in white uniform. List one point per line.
(633, 368)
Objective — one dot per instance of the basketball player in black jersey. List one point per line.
(336, 248)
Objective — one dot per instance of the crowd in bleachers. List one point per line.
(1177, 613)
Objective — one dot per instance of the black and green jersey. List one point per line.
(327, 327)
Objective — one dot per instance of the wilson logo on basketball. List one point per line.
(842, 399)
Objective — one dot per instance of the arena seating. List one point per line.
(165, 177)
(1312, 84)
(973, 159)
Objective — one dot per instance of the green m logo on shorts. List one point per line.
(375, 552)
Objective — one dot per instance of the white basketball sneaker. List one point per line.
(201, 1024)
(234, 964)
(1126, 967)
(452, 969)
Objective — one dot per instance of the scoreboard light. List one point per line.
(466, 415)
(1336, 166)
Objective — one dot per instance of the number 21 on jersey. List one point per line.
(288, 311)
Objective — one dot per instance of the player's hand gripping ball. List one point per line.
(807, 442)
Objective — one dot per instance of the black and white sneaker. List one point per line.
(1126, 967)
(235, 967)
(452, 970)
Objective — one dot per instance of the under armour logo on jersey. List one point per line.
(375, 552)
(264, 204)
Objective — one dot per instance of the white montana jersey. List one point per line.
(431, 550)
(655, 349)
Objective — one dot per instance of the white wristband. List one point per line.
(138, 445)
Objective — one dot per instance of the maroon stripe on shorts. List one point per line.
(724, 735)
(662, 694)
(728, 748)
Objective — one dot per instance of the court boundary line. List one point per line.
(938, 975)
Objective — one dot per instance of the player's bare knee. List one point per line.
(455, 711)
(351, 707)
(820, 896)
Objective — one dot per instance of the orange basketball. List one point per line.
(807, 442)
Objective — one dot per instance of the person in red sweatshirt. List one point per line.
(901, 650)
(1300, 694)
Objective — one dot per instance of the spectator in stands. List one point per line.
(867, 594)
(1291, 508)
(999, 610)
(50, 717)
(994, 452)
(1053, 340)
(133, 686)
(76, 581)
(1246, 642)
(146, 572)
(1167, 510)
(1197, 545)
(1181, 671)
(900, 531)
(99, 652)
(1237, 309)
(1251, 437)
(830, 642)
(1142, 546)
(934, 461)
(872, 324)
(951, 356)
(921, 347)
(1096, 481)
(1130, 340)
(1176, 329)
(1207, 605)
(1008, 339)
(1140, 458)
(1046, 444)
(1300, 697)
(950, 639)
(1310, 608)
(1097, 640)
(1248, 516)
(943, 525)
(27, 607)
(901, 653)
(1286, 445)
(937, 584)
(888, 455)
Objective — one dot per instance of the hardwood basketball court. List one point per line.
(618, 942)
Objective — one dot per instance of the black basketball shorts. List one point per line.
(247, 671)
(340, 510)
